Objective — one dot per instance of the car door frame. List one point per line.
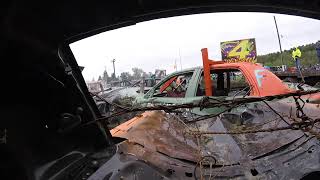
(174, 100)
(215, 110)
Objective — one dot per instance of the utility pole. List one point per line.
(275, 22)
(114, 69)
(180, 60)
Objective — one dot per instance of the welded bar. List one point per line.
(206, 72)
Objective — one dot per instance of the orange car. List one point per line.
(162, 139)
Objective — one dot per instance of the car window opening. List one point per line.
(176, 86)
(225, 83)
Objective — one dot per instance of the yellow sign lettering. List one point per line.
(241, 50)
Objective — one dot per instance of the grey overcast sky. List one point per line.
(156, 44)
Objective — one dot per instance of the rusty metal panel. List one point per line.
(168, 134)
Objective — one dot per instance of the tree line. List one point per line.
(137, 74)
(308, 58)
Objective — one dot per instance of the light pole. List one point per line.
(180, 60)
(275, 22)
(114, 69)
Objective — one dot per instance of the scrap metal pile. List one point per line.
(209, 102)
(249, 131)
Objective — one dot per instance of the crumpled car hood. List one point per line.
(168, 134)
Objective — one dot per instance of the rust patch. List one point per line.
(155, 158)
(158, 132)
(164, 134)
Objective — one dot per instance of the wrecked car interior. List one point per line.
(200, 123)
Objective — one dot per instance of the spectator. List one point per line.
(296, 55)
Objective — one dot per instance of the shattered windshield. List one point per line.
(209, 92)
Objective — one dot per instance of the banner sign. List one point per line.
(243, 50)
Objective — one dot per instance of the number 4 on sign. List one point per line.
(241, 50)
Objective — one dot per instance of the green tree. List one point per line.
(309, 57)
(125, 76)
(137, 73)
